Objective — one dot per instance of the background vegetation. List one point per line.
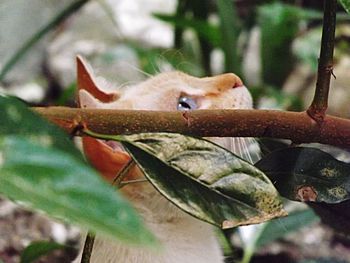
(272, 45)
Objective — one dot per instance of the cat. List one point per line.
(183, 238)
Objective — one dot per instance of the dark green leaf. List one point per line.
(203, 179)
(67, 95)
(203, 28)
(40, 167)
(324, 260)
(346, 5)
(280, 227)
(307, 174)
(229, 34)
(256, 236)
(279, 26)
(38, 249)
(337, 216)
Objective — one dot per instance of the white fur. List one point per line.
(183, 238)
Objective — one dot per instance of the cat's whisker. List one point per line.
(127, 83)
(240, 150)
(254, 145)
(246, 150)
(138, 70)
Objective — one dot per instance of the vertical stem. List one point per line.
(319, 104)
(88, 246)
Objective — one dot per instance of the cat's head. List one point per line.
(167, 91)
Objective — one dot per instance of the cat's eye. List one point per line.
(186, 103)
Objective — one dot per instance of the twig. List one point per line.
(296, 126)
(318, 107)
(118, 180)
(136, 181)
(87, 250)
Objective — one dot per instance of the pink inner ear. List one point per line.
(86, 82)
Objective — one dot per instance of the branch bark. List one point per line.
(318, 107)
(296, 126)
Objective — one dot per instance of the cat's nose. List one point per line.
(236, 81)
(228, 81)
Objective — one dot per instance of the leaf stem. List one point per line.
(124, 183)
(122, 173)
(318, 107)
(88, 246)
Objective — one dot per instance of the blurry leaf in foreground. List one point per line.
(307, 174)
(40, 167)
(38, 249)
(203, 179)
(346, 5)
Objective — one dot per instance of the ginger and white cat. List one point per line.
(184, 239)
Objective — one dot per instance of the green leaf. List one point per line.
(279, 26)
(203, 179)
(281, 227)
(229, 35)
(203, 28)
(346, 5)
(40, 167)
(38, 249)
(255, 236)
(307, 174)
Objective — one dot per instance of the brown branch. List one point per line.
(318, 107)
(296, 126)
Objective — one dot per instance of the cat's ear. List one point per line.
(86, 80)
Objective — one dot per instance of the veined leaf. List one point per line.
(204, 179)
(40, 167)
(307, 174)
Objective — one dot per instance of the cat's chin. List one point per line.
(115, 146)
(108, 157)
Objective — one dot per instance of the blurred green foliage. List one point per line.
(289, 34)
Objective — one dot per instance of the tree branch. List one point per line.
(296, 126)
(318, 107)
